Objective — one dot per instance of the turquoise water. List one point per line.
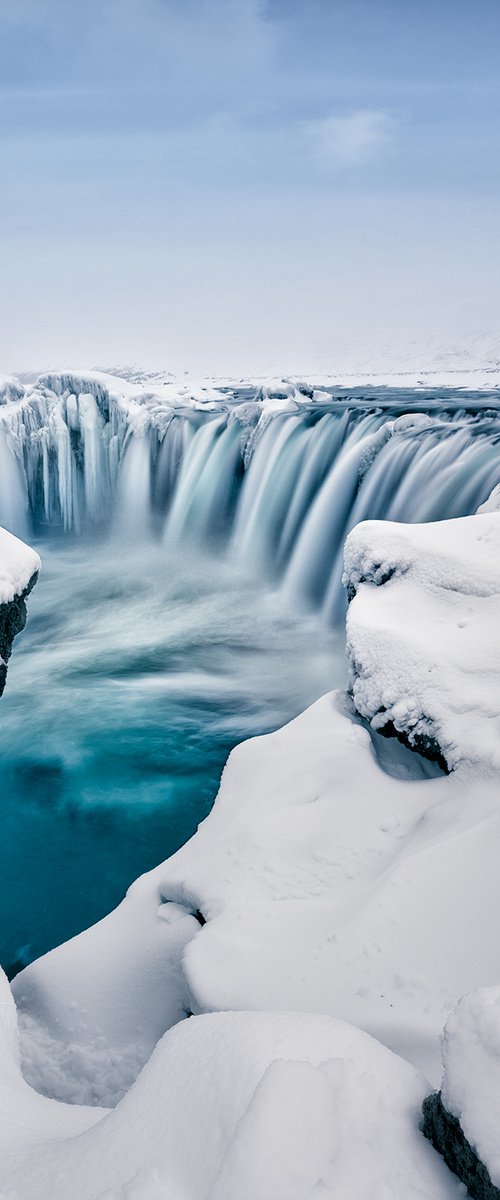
(136, 674)
(149, 655)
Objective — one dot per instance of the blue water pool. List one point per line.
(136, 674)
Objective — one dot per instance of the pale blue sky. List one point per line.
(240, 185)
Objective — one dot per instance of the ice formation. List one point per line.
(275, 474)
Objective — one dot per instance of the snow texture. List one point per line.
(421, 633)
(320, 878)
(259, 1106)
(339, 876)
(471, 1073)
(18, 564)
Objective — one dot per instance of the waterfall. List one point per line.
(271, 481)
(13, 498)
(133, 492)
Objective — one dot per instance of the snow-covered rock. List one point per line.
(338, 876)
(422, 634)
(463, 1120)
(19, 567)
(471, 1073)
(18, 564)
(320, 878)
(259, 1106)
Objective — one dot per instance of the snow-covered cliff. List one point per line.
(424, 655)
(19, 567)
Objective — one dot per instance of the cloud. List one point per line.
(341, 142)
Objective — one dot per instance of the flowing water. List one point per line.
(191, 596)
(136, 674)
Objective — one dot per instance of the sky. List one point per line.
(245, 186)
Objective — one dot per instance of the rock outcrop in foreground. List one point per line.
(19, 567)
(463, 1120)
(447, 1136)
(422, 634)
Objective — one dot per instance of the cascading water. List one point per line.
(273, 489)
(190, 597)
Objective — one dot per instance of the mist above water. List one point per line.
(190, 598)
(138, 670)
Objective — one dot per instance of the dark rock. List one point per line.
(12, 621)
(446, 1135)
(425, 745)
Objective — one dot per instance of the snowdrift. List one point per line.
(253, 1105)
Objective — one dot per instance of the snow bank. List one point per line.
(422, 634)
(320, 878)
(248, 1105)
(19, 567)
(339, 876)
(471, 1079)
(87, 1043)
(18, 564)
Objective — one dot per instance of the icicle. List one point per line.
(13, 498)
(274, 489)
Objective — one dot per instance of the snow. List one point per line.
(320, 877)
(471, 1079)
(339, 878)
(492, 504)
(262, 1106)
(421, 634)
(286, 1138)
(143, 398)
(18, 564)
(74, 444)
(89, 1046)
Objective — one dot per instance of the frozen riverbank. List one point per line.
(19, 567)
(139, 673)
(329, 880)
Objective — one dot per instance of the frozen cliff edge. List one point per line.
(19, 567)
(421, 634)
